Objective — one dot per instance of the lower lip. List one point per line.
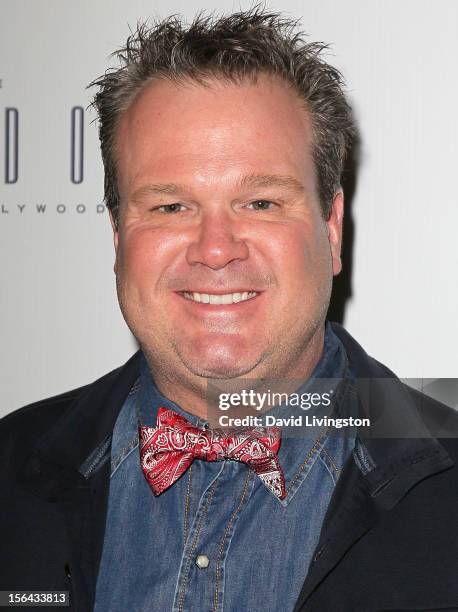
(203, 307)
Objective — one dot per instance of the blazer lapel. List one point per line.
(360, 501)
(400, 455)
(53, 472)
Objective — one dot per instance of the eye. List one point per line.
(261, 205)
(170, 208)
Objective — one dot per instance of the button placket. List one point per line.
(194, 535)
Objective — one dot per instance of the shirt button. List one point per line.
(202, 561)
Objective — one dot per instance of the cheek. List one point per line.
(300, 253)
(144, 252)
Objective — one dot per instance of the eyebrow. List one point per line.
(250, 180)
(272, 180)
(158, 189)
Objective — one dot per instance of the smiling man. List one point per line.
(224, 259)
(224, 144)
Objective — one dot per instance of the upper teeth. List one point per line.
(227, 298)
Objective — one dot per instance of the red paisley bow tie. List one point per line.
(167, 450)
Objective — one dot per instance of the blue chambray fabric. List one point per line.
(259, 547)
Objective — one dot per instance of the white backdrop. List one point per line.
(60, 324)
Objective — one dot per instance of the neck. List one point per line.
(189, 391)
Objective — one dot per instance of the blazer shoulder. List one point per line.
(25, 428)
(41, 409)
(20, 427)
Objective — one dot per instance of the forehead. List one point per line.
(218, 128)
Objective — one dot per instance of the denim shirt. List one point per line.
(258, 547)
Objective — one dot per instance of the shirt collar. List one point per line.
(302, 446)
(150, 399)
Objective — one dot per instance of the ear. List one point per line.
(335, 225)
(115, 237)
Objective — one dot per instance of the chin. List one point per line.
(219, 362)
(219, 370)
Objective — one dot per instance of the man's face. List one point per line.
(224, 262)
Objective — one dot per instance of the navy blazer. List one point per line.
(389, 540)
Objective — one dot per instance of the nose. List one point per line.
(216, 243)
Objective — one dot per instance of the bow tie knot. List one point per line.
(167, 450)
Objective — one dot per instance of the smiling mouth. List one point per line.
(226, 298)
